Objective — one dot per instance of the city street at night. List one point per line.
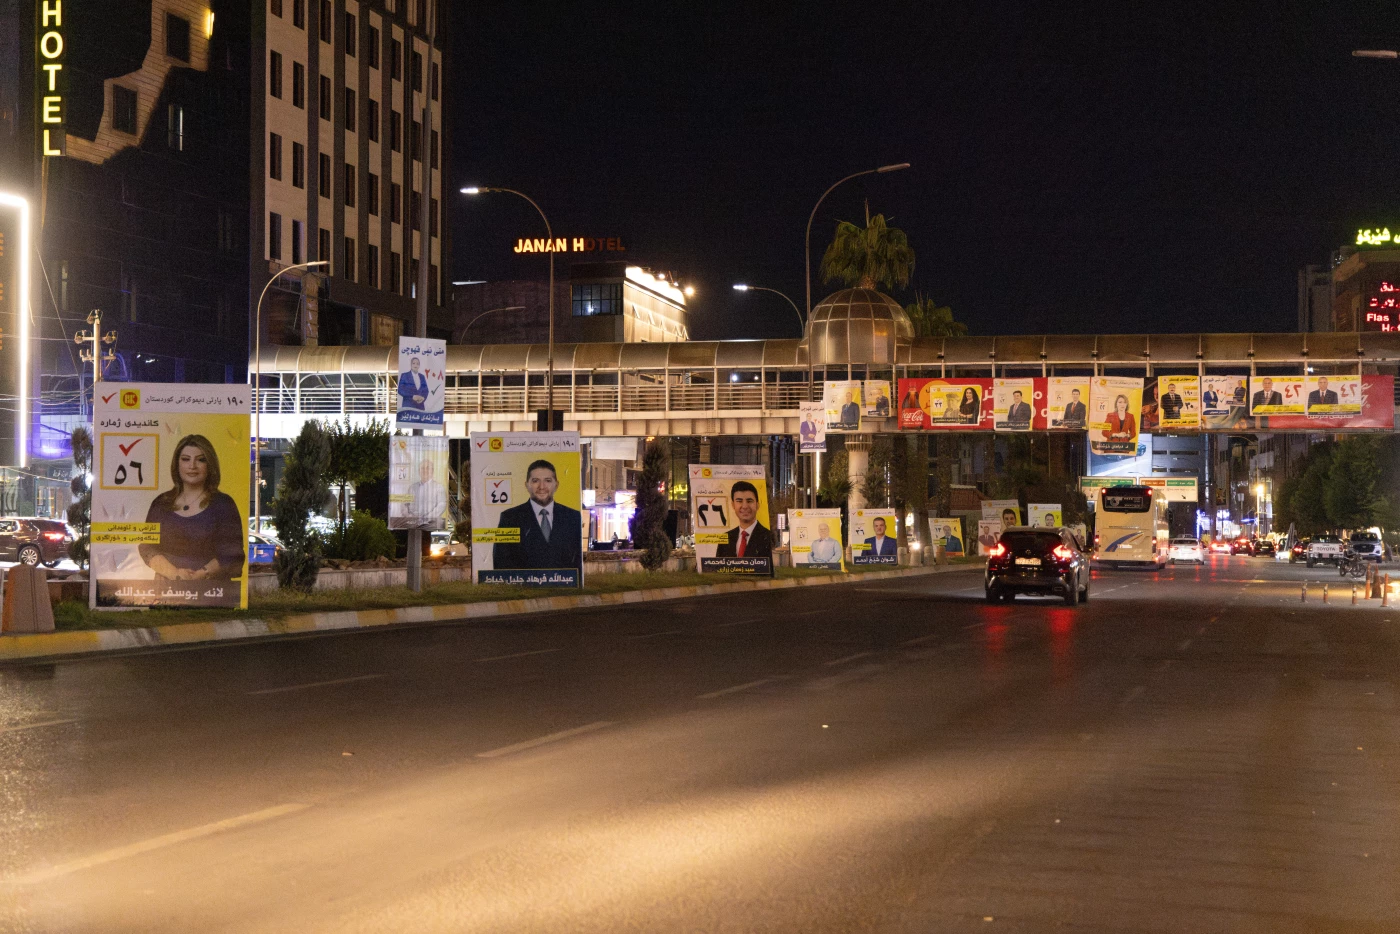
(1195, 750)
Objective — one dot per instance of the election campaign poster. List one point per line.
(418, 482)
(1067, 403)
(1332, 395)
(1005, 511)
(874, 537)
(1178, 402)
(1276, 395)
(422, 376)
(988, 532)
(948, 533)
(1221, 393)
(1115, 406)
(811, 433)
(170, 495)
(1377, 410)
(814, 536)
(729, 513)
(1014, 405)
(843, 410)
(955, 404)
(876, 396)
(1045, 515)
(527, 508)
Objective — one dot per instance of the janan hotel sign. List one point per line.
(570, 245)
(52, 102)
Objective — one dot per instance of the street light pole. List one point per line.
(807, 248)
(463, 337)
(801, 325)
(257, 383)
(549, 232)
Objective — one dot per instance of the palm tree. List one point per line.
(933, 320)
(874, 255)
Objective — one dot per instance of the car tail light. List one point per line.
(1063, 552)
(54, 536)
(996, 551)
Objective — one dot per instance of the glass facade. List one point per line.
(597, 299)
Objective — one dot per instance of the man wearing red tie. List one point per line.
(750, 539)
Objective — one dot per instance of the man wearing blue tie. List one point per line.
(413, 387)
(880, 545)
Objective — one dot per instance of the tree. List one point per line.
(80, 510)
(875, 485)
(648, 525)
(1305, 498)
(933, 320)
(836, 485)
(875, 255)
(1351, 495)
(358, 455)
(302, 492)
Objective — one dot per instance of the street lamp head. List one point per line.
(472, 190)
(893, 168)
(740, 287)
(689, 291)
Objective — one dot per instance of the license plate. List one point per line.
(1029, 562)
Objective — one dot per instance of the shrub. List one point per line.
(364, 539)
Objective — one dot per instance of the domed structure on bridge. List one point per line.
(857, 326)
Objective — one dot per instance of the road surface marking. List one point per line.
(822, 684)
(156, 843)
(737, 622)
(314, 684)
(653, 635)
(1132, 695)
(542, 740)
(932, 635)
(33, 726)
(1183, 645)
(849, 658)
(734, 690)
(501, 658)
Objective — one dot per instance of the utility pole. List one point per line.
(96, 339)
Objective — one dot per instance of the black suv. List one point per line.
(1039, 561)
(31, 541)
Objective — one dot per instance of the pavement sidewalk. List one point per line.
(85, 642)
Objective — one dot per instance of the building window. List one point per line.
(298, 85)
(274, 156)
(416, 67)
(413, 278)
(597, 299)
(227, 240)
(415, 142)
(396, 60)
(372, 52)
(351, 37)
(274, 74)
(299, 13)
(325, 102)
(325, 23)
(350, 110)
(395, 131)
(175, 127)
(274, 235)
(422, 9)
(298, 165)
(296, 243)
(323, 245)
(395, 202)
(434, 82)
(434, 148)
(395, 273)
(432, 217)
(276, 7)
(413, 203)
(351, 269)
(177, 37)
(123, 109)
(372, 257)
(432, 285)
(350, 185)
(372, 194)
(372, 116)
(323, 176)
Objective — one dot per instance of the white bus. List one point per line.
(1130, 527)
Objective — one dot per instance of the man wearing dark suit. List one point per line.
(413, 388)
(751, 539)
(850, 412)
(1019, 414)
(1322, 395)
(1267, 395)
(1172, 403)
(1076, 416)
(551, 534)
(880, 544)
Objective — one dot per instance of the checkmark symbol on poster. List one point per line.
(126, 448)
(109, 398)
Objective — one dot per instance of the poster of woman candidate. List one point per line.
(1067, 403)
(815, 538)
(843, 405)
(1115, 406)
(1014, 404)
(527, 502)
(170, 495)
(418, 482)
(729, 513)
(874, 537)
(958, 404)
(422, 372)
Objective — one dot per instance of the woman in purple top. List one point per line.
(201, 532)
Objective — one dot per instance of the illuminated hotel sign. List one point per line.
(1378, 236)
(14, 329)
(1382, 309)
(52, 102)
(570, 245)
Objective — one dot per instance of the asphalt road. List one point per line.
(1193, 751)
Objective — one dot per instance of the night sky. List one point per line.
(1152, 170)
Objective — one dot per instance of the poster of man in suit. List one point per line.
(874, 537)
(843, 405)
(1333, 395)
(1179, 405)
(1067, 406)
(527, 518)
(1276, 395)
(948, 533)
(815, 538)
(729, 513)
(1014, 404)
(422, 372)
(811, 431)
(418, 482)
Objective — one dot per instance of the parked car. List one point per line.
(262, 548)
(1186, 549)
(34, 541)
(1298, 551)
(1039, 561)
(443, 543)
(1264, 547)
(1324, 549)
(1367, 546)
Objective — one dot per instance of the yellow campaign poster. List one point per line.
(843, 405)
(874, 537)
(948, 533)
(814, 537)
(1115, 408)
(1067, 403)
(1045, 515)
(1276, 395)
(729, 515)
(170, 495)
(527, 508)
(1179, 401)
(1333, 395)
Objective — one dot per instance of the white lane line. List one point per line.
(737, 622)
(314, 684)
(653, 635)
(734, 690)
(823, 684)
(928, 638)
(1183, 645)
(156, 843)
(33, 726)
(849, 658)
(1133, 695)
(501, 658)
(542, 740)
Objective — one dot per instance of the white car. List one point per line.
(1186, 549)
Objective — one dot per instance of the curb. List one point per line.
(89, 641)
